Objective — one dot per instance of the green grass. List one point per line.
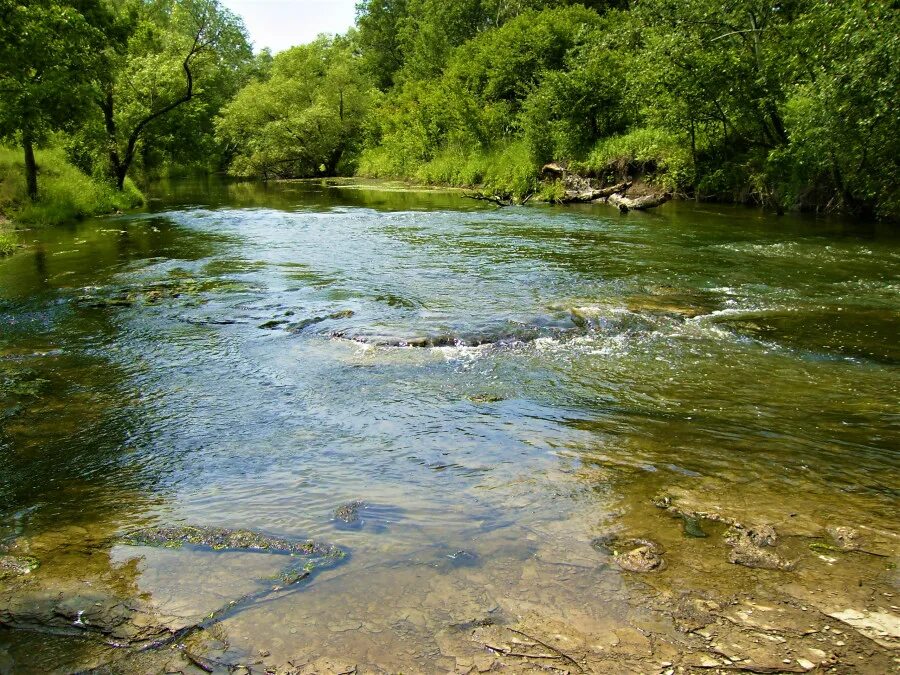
(64, 192)
(506, 170)
(7, 240)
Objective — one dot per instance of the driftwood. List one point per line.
(499, 200)
(626, 204)
(495, 199)
(594, 194)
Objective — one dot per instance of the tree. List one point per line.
(306, 119)
(841, 113)
(48, 57)
(174, 53)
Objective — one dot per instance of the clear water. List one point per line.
(586, 361)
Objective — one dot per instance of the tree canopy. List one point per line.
(785, 104)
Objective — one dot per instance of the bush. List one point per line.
(64, 192)
(664, 159)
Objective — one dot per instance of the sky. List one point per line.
(279, 24)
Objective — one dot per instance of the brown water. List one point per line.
(498, 386)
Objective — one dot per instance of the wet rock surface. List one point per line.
(14, 566)
(745, 552)
(644, 558)
(348, 514)
(223, 539)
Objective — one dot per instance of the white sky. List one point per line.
(279, 24)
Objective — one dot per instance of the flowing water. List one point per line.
(499, 387)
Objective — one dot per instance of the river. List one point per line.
(515, 397)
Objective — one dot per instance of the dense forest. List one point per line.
(789, 105)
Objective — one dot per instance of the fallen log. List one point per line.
(594, 194)
(495, 199)
(626, 204)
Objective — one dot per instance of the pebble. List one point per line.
(808, 665)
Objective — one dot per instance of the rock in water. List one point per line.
(349, 513)
(16, 566)
(845, 538)
(763, 535)
(222, 539)
(645, 558)
(692, 526)
(745, 552)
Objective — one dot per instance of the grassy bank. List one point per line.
(504, 170)
(64, 194)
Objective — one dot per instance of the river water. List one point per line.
(498, 387)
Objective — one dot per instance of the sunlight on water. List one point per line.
(499, 387)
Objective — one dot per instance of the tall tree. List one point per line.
(306, 119)
(175, 52)
(48, 57)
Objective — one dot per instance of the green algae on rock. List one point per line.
(16, 566)
(224, 539)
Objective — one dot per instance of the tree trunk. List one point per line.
(333, 160)
(116, 170)
(30, 166)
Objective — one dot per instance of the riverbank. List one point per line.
(64, 194)
(635, 171)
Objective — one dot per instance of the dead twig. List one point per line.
(201, 663)
(753, 668)
(509, 652)
(553, 649)
(495, 199)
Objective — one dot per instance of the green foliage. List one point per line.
(655, 153)
(789, 105)
(8, 242)
(172, 66)
(49, 53)
(65, 192)
(305, 119)
(507, 170)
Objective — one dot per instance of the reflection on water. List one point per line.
(497, 386)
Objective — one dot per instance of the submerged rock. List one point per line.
(273, 324)
(692, 526)
(16, 566)
(632, 555)
(762, 535)
(646, 557)
(221, 539)
(745, 552)
(302, 325)
(349, 513)
(757, 535)
(462, 558)
(662, 501)
(844, 538)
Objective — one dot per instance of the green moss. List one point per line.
(822, 547)
(64, 192)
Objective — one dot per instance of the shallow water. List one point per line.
(258, 373)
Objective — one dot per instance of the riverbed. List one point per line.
(507, 402)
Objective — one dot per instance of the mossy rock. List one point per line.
(12, 566)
